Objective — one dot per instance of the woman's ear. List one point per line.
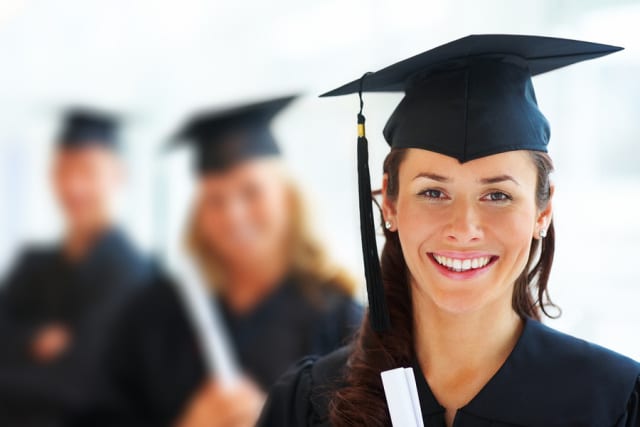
(544, 217)
(388, 205)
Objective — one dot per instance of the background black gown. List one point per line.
(549, 380)
(156, 364)
(86, 296)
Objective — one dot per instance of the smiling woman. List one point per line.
(472, 221)
(461, 286)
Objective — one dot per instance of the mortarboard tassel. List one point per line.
(378, 313)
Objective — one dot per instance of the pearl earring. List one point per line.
(542, 233)
(387, 225)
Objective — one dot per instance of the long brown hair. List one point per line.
(361, 402)
(310, 264)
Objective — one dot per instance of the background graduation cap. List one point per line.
(225, 137)
(83, 126)
(469, 98)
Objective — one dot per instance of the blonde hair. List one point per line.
(310, 264)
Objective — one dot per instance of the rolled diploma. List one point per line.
(205, 317)
(401, 393)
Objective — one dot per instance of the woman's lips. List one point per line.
(462, 265)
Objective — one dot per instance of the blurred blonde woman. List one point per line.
(280, 297)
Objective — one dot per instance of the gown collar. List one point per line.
(550, 379)
(110, 247)
(428, 402)
(270, 303)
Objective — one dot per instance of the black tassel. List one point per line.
(378, 312)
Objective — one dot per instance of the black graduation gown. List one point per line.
(86, 296)
(156, 364)
(549, 380)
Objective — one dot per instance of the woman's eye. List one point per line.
(433, 194)
(497, 196)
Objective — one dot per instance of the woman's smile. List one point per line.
(462, 265)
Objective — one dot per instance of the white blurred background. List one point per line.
(158, 60)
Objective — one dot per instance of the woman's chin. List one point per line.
(247, 254)
(458, 307)
(459, 301)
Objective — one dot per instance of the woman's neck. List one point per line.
(249, 283)
(459, 353)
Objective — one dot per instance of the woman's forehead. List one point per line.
(258, 169)
(428, 164)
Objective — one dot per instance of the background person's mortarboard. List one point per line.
(224, 137)
(82, 126)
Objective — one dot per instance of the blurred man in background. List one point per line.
(57, 303)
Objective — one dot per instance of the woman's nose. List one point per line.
(464, 225)
(235, 210)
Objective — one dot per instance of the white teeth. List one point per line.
(459, 265)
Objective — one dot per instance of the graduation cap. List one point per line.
(466, 99)
(225, 137)
(82, 126)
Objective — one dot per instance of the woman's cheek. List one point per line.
(418, 227)
(420, 216)
(513, 226)
(511, 232)
(211, 226)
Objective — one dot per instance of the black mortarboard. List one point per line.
(225, 137)
(87, 126)
(469, 98)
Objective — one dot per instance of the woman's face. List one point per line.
(244, 211)
(466, 229)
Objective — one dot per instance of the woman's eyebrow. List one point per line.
(432, 176)
(490, 180)
(497, 179)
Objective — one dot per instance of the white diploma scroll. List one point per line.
(205, 317)
(401, 393)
